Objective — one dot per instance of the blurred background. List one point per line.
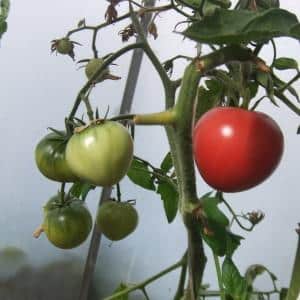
(38, 90)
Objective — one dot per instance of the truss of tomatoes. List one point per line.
(100, 154)
(236, 149)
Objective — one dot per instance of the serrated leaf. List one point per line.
(212, 212)
(140, 174)
(80, 189)
(121, 288)
(285, 63)
(215, 230)
(235, 285)
(243, 26)
(167, 163)
(169, 196)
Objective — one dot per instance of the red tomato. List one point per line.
(236, 149)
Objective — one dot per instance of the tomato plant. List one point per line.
(50, 157)
(117, 220)
(101, 153)
(236, 149)
(66, 223)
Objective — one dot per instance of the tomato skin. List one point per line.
(50, 158)
(100, 154)
(66, 226)
(117, 220)
(236, 149)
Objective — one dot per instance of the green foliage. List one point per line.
(147, 176)
(215, 228)
(235, 285)
(140, 174)
(80, 190)
(4, 9)
(285, 63)
(256, 270)
(208, 97)
(234, 27)
(169, 196)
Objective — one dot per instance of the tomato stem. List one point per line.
(62, 193)
(142, 285)
(294, 289)
(219, 275)
(118, 192)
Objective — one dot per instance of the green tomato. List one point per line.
(116, 220)
(66, 225)
(100, 154)
(64, 46)
(92, 66)
(50, 158)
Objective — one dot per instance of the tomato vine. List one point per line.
(235, 36)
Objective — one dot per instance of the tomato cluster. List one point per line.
(236, 149)
(99, 154)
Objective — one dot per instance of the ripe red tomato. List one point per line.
(236, 149)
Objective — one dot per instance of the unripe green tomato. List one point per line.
(50, 158)
(64, 46)
(66, 226)
(100, 154)
(92, 66)
(116, 220)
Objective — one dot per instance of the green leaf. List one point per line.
(167, 163)
(140, 174)
(279, 83)
(212, 212)
(266, 80)
(4, 9)
(214, 228)
(254, 271)
(233, 241)
(121, 288)
(285, 63)
(208, 97)
(265, 4)
(235, 285)
(243, 26)
(170, 197)
(80, 189)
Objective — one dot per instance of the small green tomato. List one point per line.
(117, 220)
(92, 66)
